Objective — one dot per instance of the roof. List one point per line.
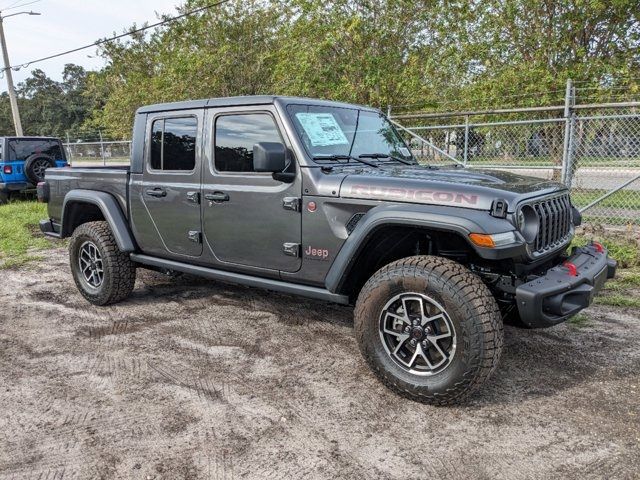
(28, 137)
(243, 101)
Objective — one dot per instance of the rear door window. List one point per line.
(21, 149)
(173, 144)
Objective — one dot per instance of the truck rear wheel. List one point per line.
(102, 273)
(429, 329)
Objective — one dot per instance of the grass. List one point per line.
(580, 320)
(19, 232)
(617, 301)
(622, 291)
(624, 248)
(627, 199)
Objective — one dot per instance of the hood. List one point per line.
(460, 187)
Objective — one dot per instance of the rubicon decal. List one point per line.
(316, 253)
(413, 194)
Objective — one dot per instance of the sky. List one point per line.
(67, 24)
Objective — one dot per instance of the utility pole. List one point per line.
(7, 71)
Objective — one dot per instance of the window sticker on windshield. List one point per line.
(322, 128)
(405, 151)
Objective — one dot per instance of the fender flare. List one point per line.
(444, 219)
(111, 211)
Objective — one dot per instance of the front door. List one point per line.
(170, 187)
(249, 218)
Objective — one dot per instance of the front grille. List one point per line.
(554, 222)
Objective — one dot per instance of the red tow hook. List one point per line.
(598, 246)
(573, 270)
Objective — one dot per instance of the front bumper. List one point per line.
(558, 295)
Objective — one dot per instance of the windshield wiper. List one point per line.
(345, 157)
(385, 155)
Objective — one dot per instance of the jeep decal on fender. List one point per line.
(412, 194)
(316, 253)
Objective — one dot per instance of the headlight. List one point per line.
(527, 223)
(494, 240)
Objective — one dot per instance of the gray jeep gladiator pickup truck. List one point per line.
(325, 200)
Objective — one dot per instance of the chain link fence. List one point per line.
(604, 171)
(114, 152)
(593, 149)
(87, 148)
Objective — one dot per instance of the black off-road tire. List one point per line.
(4, 198)
(472, 311)
(119, 274)
(35, 165)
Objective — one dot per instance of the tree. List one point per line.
(445, 55)
(48, 107)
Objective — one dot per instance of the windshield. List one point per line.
(335, 131)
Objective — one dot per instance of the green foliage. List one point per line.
(48, 107)
(453, 54)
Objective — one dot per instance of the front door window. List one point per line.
(235, 137)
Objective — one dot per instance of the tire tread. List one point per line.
(473, 296)
(121, 269)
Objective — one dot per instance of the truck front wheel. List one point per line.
(429, 329)
(102, 273)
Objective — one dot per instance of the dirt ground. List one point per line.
(197, 379)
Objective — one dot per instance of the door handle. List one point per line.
(217, 197)
(156, 192)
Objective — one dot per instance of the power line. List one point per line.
(122, 35)
(14, 5)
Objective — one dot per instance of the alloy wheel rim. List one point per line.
(39, 168)
(417, 334)
(91, 265)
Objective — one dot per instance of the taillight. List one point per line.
(598, 246)
(7, 169)
(42, 190)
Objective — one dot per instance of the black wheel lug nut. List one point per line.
(407, 329)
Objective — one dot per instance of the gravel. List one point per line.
(196, 379)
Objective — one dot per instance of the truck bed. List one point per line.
(113, 180)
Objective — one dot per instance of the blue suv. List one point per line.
(23, 161)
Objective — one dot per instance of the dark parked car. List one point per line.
(325, 200)
(23, 161)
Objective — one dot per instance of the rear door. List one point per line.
(170, 187)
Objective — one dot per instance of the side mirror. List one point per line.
(269, 157)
